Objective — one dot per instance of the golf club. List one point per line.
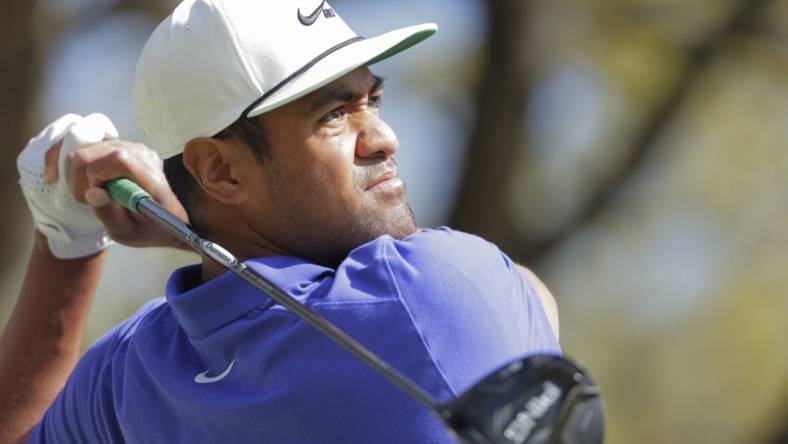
(540, 399)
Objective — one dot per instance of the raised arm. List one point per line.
(63, 169)
(41, 342)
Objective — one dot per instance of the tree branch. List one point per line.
(496, 141)
(481, 210)
(699, 59)
(20, 59)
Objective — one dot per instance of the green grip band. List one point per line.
(127, 193)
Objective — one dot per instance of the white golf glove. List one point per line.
(71, 227)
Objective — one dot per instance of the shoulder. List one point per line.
(473, 307)
(111, 346)
(85, 406)
(462, 267)
(426, 259)
(114, 341)
(148, 314)
(449, 260)
(445, 248)
(447, 237)
(434, 256)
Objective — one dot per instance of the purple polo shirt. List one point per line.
(223, 363)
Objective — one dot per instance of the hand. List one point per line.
(62, 171)
(89, 168)
(71, 229)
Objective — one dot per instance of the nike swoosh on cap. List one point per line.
(203, 377)
(310, 19)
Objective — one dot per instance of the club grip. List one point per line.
(127, 193)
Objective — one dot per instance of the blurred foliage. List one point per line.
(631, 152)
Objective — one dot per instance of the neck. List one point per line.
(243, 242)
(210, 270)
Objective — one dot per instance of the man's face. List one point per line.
(332, 182)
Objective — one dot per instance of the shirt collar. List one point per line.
(201, 309)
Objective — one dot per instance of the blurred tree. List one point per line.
(20, 72)
(482, 205)
(156, 10)
(496, 146)
(782, 439)
(781, 418)
(26, 32)
(699, 58)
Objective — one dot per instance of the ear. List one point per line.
(215, 165)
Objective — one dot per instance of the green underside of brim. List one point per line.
(403, 45)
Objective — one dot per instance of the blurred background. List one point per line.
(632, 153)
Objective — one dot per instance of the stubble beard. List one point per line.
(368, 225)
(398, 223)
(376, 218)
(327, 239)
(370, 216)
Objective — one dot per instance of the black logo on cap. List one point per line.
(310, 19)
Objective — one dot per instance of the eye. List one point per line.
(375, 101)
(335, 114)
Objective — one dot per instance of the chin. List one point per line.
(398, 223)
(401, 232)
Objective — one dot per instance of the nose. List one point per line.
(376, 138)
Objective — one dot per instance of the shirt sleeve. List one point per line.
(83, 412)
(474, 308)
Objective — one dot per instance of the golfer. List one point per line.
(267, 117)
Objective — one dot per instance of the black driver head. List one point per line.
(541, 399)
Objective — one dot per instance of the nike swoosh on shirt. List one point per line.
(203, 377)
(310, 19)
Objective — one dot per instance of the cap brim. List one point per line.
(343, 61)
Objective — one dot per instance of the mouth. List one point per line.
(383, 179)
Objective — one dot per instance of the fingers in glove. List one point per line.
(50, 163)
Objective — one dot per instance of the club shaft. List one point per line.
(179, 229)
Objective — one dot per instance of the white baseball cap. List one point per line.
(214, 61)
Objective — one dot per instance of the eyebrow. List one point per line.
(343, 94)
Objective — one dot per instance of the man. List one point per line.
(302, 186)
